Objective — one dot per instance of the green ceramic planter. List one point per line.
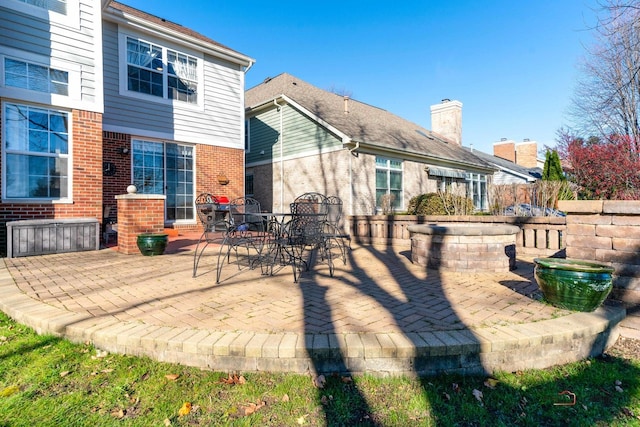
(572, 283)
(151, 244)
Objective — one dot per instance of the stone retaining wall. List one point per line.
(538, 236)
(607, 231)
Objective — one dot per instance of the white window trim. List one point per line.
(122, 67)
(71, 19)
(67, 101)
(32, 200)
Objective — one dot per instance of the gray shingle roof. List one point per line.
(509, 165)
(363, 123)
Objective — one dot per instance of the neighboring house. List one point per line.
(301, 138)
(509, 172)
(516, 169)
(96, 95)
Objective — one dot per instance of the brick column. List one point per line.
(137, 214)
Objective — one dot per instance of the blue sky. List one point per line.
(512, 63)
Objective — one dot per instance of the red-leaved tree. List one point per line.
(603, 169)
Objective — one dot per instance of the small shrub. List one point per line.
(440, 204)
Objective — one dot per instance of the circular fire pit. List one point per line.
(471, 247)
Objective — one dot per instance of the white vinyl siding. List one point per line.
(63, 12)
(75, 49)
(217, 120)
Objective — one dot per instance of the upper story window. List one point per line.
(59, 6)
(161, 72)
(26, 75)
(62, 12)
(36, 162)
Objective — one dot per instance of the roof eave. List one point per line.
(421, 156)
(141, 24)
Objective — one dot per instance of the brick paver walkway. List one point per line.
(379, 290)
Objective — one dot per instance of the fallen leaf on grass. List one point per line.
(285, 398)
(64, 374)
(628, 412)
(301, 420)
(167, 422)
(491, 383)
(185, 409)
(347, 380)
(233, 379)
(172, 377)
(117, 413)
(478, 395)
(319, 381)
(570, 395)
(250, 409)
(455, 387)
(8, 391)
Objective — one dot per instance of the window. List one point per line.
(248, 184)
(445, 184)
(36, 149)
(164, 73)
(247, 136)
(30, 76)
(144, 67)
(59, 6)
(182, 77)
(388, 183)
(477, 191)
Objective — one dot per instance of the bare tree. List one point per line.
(607, 98)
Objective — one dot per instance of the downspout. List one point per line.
(279, 109)
(351, 190)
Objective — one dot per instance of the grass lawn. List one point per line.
(47, 381)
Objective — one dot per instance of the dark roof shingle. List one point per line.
(363, 122)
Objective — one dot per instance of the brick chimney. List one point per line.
(446, 120)
(527, 153)
(505, 149)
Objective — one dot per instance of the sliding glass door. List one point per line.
(166, 168)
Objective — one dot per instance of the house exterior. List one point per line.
(509, 172)
(96, 95)
(301, 138)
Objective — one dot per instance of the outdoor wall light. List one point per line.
(222, 179)
(123, 150)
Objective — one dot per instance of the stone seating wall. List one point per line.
(539, 236)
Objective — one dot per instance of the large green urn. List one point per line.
(151, 244)
(573, 284)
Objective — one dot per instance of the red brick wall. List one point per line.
(87, 179)
(213, 161)
(115, 185)
(138, 214)
(505, 150)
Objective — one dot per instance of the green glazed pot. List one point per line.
(151, 244)
(572, 283)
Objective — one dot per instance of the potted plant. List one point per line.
(572, 283)
(151, 244)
